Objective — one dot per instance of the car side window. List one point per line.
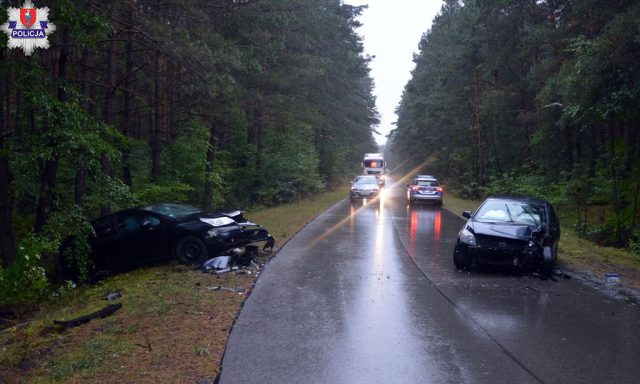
(150, 221)
(103, 227)
(134, 222)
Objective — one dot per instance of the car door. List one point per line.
(554, 227)
(140, 240)
(103, 243)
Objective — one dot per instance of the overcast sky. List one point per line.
(392, 30)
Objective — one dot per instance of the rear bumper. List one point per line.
(426, 197)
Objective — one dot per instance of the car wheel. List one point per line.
(461, 258)
(191, 250)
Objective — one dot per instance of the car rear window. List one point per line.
(427, 183)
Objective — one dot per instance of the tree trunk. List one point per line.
(7, 238)
(259, 123)
(80, 183)
(50, 170)
(128, 97)
(109, 106)
(46, 194)
(478, 127)
(207, 202)
(157, 123)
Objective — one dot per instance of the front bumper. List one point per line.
(515, 253)
(236, 237)
(363, 194)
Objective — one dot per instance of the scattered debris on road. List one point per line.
(612, 278)
(220, 288)
(237, 261)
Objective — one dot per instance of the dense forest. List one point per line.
(534, 97)
(222, 103)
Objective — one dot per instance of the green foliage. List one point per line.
(155, 193)
(504, 99)
(525, 184)
(25, 280)
(290, 170)
(70, 230)
(183, 159)
(275, 95)
(633, 245)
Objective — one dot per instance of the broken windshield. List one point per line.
(511, 212)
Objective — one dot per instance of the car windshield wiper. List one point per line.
(508, 213)
(526, 210)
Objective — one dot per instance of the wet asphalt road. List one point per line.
(369, 294)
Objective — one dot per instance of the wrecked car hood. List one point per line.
(507, 230)
(236, 215)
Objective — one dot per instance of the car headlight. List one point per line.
(467, 237)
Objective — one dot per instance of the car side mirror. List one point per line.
(466, 214)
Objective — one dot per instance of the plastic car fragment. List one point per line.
(111, 296)
(217, 263)
(104, 312)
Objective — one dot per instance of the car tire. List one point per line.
(546, 269)
(191, 250)
(461, 258)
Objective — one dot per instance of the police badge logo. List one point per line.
(33, 29)
(27, 16)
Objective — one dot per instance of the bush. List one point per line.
(25, 280)
(524, 183)
(633, 246)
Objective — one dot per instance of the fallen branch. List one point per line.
(148, 346)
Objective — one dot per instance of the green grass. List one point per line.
(285, 220)
(457, 205)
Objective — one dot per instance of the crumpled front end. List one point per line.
(526, 250)
(223, 238)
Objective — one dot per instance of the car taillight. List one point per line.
(439, 189)
(415, 188)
